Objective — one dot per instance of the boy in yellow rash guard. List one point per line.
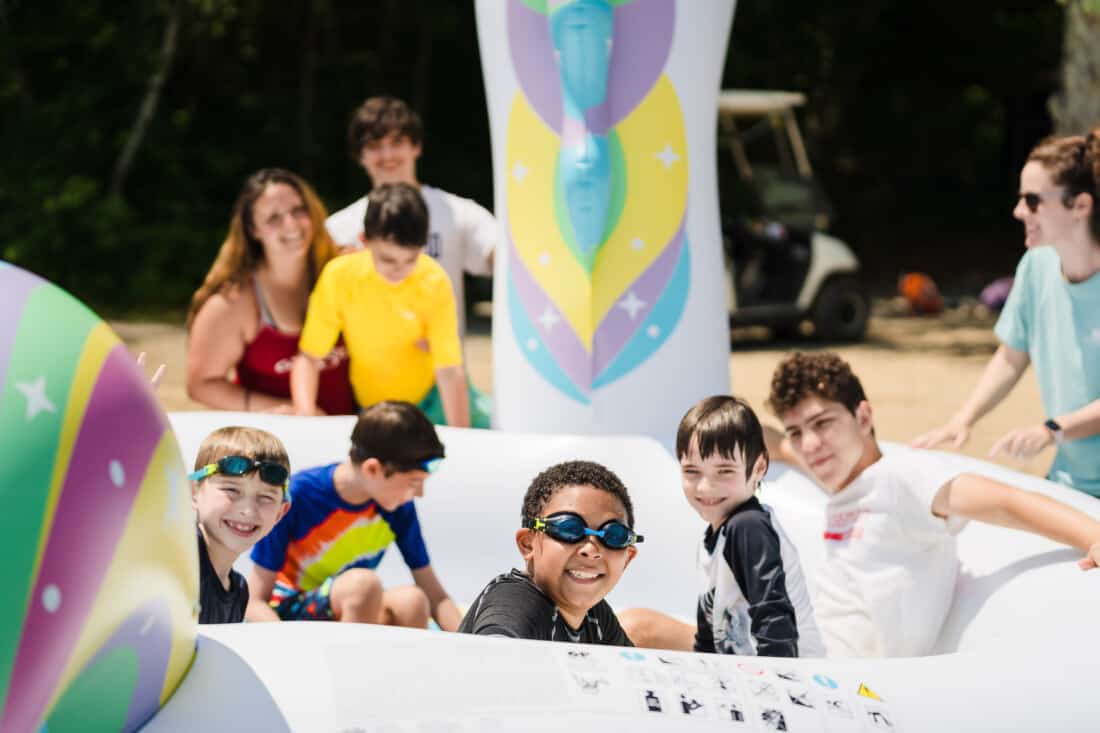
(396, 310)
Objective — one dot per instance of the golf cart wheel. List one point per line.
(841, 310)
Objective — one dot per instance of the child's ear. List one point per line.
(758, 470)
(630, 553)
(864, 416)
(363, 239)
(282, 511)
(371, 469)
(195, 495)
(525, 541)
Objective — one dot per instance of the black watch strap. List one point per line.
(1055, 430)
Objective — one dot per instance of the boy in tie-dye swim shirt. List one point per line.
(318, 563)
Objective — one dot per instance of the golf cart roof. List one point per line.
(754, 102)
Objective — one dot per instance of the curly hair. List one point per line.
(574, 473)
(823, 375)
(1074, 162)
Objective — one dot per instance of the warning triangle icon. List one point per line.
(866, 691)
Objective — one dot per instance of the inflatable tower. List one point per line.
(609, 302)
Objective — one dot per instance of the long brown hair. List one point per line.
(241, 253)
(1074, 162)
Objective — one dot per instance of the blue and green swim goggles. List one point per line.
(272, 473)
(570, 528)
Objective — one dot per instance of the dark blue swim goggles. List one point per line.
(570, 528)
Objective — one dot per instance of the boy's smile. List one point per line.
(576, 577)
(716, 485)
(236, 511)
(390, 160)
(833, 443)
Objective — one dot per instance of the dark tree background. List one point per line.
(129, 126)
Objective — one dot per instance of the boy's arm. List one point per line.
(305, 376)
(779, 449)
(704, 635)
(977, 497)
(261, 582)
(444, 610)
(753, 554)
(451, 381)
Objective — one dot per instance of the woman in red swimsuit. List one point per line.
(244, 321)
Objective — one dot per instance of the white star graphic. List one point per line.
(667, 156)
(117, 473)
(1095, 335)
(549, 318)
(632, 304)
(532, 344)
(544, 259)
(37, 401)
(653, 331)
(519, 172)
(636, 243)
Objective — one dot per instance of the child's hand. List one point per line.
(1092, 559)
(157, 375)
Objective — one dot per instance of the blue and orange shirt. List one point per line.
(322, 535)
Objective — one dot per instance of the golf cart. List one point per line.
(782, 268)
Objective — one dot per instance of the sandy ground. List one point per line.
(916, 371)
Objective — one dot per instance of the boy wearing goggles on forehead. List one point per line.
(238, 490)
(576, 539)
(318, 563)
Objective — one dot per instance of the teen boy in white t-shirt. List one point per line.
(891, 520)
(385, 138)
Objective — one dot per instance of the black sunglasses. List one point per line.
(571, 528)
(1032, 200)
(275, 474)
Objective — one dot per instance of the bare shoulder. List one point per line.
(233, 306)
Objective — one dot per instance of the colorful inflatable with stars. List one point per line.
(609, 268)
(97, 531)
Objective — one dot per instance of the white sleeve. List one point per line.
(923, 473)
(480, 233)
(345, 225)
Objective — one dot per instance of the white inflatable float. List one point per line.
(1019, 650)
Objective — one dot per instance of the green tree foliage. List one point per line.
(919, 117)
(1076, 107)
(251, 84)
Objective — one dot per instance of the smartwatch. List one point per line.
(1055, 430)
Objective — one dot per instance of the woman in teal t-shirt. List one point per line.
(1051, 318)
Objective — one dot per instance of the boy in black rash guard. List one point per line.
(754, 599)
(576, 538)
(238, 490)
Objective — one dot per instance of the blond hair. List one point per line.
(259, 445)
